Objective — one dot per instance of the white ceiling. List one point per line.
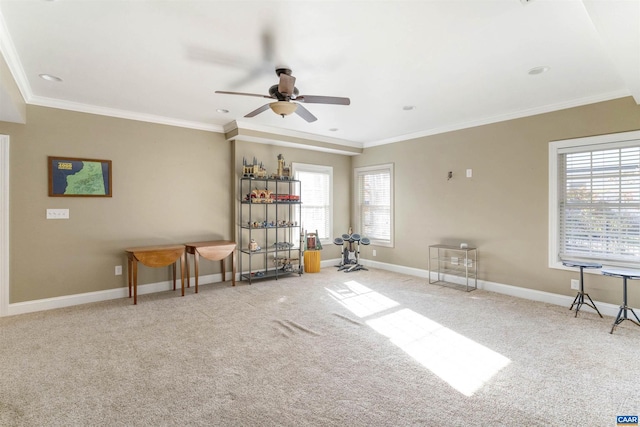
(459, 62)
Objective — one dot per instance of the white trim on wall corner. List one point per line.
(4, 224)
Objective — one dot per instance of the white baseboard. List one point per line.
(109, 294)
(531, 294)
(606, 309)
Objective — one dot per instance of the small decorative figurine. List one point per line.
(260, 196)
(255, 170)
(312, 242)
(284, 171)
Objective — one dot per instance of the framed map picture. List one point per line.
(74, 177)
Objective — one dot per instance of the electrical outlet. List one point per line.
(373, 252)
(57, 213)
(118, 270)
(575, 284)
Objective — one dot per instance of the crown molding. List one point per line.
(273, 136)
(503, 117)
(123, 114)
(290, 133)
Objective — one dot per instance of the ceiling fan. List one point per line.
(285, 93)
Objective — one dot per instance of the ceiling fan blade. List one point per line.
(313, 99)
(287, 84)
(206, 55)
(254, 74)
(305, 114)
(258, 111)
(245, 94)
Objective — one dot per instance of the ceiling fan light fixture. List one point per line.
(283, 108)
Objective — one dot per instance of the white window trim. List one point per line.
(307, 167)
(356, 172)
(579, 144)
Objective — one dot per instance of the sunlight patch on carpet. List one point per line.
(463, 363)
(361, 300)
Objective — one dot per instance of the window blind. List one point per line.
(374, 201)
(599, 203)
(316, 200)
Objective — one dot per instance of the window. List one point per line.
(374, 193)
(594, 199)
(317, 197)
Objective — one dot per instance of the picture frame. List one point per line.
(79, 177)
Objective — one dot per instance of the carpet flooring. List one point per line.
(368, 348)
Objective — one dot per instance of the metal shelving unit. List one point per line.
(269, 214)
(454, 261)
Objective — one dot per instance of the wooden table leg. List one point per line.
(135, 281)
(183, 258)
(222, 268)
(175, 268)
(186, 263)
(233, 267)
(196, 261)
(129, 273)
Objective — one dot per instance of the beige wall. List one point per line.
(170, 185)
(503, 208)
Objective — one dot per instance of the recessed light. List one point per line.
(538, 70)
(409, 107)
(222, 110)
(333, 130)
(50, 78)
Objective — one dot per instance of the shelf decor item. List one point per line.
(78, 177)
(312, 242)
(253, 245)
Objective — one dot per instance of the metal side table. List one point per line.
(624, 308)
(579, 299)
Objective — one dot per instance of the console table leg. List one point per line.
(135, 282)
(175, 266)
(233, 267)
(183, 261)
(186, 263)
(129, 274)
(196, 262)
